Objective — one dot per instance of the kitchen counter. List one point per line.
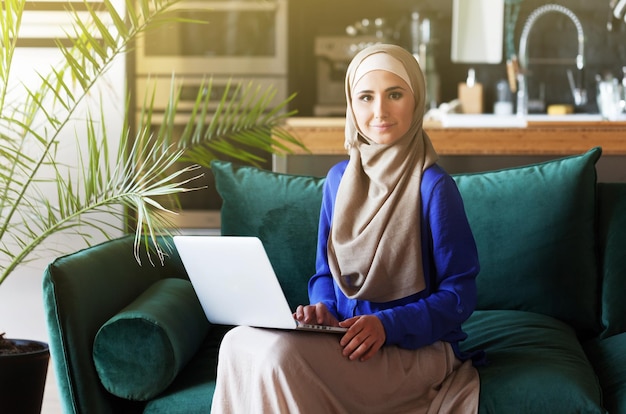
(542, 136)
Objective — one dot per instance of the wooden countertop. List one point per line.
(324, 136)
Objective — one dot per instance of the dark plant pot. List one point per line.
(23, 379)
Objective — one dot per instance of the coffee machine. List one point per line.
(333, 54)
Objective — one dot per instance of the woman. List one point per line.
(396, 265)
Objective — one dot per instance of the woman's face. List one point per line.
(383, 106)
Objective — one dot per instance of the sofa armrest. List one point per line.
(81, 292)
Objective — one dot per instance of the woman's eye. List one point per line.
(395, 95)
(365, 98)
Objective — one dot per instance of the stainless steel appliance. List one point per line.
(238, 37)
(333, 54)
(239, 41)
(190, 85)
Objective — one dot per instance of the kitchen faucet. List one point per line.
(580, 95)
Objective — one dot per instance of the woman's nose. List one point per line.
(380, 109)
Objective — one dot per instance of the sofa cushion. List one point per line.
(612, 236)
(280, 209)
(535, 231)
(535, 363)
(609, 359)
(139, 351)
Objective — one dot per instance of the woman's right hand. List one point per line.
(317, 314)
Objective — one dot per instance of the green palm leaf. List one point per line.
(42, 196)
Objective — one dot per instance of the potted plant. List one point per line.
(42, 196)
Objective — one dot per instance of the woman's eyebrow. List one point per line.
(389, 89)
(393, 88)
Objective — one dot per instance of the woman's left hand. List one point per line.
(365, 336)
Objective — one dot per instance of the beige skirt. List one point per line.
(269, 371)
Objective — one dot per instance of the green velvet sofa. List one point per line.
(551, 311)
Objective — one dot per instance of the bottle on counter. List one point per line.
(422, 48)
(623, 101)
(503, 103)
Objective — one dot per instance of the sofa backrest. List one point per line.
(535, 228)
(612, 252)
(280, 209)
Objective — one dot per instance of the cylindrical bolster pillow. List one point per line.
(140, 350)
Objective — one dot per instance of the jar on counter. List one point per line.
(503, 104)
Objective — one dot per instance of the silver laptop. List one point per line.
(236, 284)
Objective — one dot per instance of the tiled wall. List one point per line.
(553, 36)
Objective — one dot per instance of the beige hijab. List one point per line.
(374, 248)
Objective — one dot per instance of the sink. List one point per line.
(564, 118)
(509, 121)
(482, 121)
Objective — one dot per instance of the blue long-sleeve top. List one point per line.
(450, 262)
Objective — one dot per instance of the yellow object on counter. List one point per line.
(560, 109)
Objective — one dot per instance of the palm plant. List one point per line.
(42, 196)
